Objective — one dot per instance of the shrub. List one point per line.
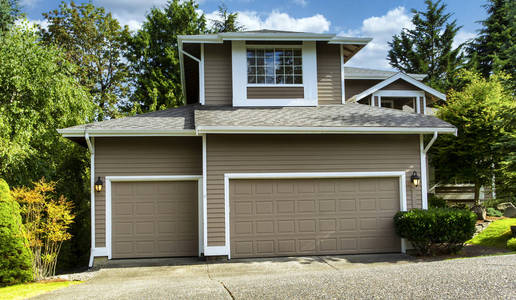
(436, 202)
(47, 219)
(511, 244)
(436, 229)
(494, 212)
(15, 258)
(494, 202)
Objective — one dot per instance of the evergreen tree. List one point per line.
(226, 21)
(495, 47)
(153, 54)
(427, 49)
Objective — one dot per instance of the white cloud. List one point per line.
(381, 29)
(462, 37)
(130, 12)
(277, 20)
(302, 3)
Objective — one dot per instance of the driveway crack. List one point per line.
(219, 281)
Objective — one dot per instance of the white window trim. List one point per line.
(274, 85)
(110, 179)
(274, 47)
(226, 249)
(239, 76)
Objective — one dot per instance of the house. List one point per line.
(280, 150)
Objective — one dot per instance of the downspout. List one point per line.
(424, 173)
(91, 148)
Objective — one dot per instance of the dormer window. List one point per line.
(274, 66)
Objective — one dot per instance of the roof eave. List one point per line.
(125, 132)
(324, 130)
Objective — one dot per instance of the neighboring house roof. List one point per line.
(346, 118)
(363, 73)
(391, 79)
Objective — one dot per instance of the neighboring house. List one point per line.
(279, 151)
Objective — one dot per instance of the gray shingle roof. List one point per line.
(347, 115)
(171, 119)
(191, 117)
(364, 73)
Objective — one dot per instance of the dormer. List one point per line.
(268, 68)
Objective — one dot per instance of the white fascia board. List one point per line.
(202, 38)
(323, 130)
(405, 77)
(418, 77)
(124, 132)
(349, 40)
(246, 36)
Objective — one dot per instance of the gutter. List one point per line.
(322, 130)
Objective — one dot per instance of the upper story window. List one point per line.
(274, 66)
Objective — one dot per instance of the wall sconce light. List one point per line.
(415, 179)
(98, 185)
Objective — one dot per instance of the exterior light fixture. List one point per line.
(415, 179)
(98, 185)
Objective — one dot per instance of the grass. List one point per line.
(496, 235)
(27, 290)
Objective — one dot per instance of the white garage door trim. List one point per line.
(110, 179)
(225, 250)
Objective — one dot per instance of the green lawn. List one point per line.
(496, 235)
(27, 290)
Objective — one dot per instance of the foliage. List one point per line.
(478, 112)
(154, 58)
(494, 202)
(95, 41)
(226, 21)
(495, 235)
(494, 49)
(435, 228)
(15, 259)
(428, 47)
(47, 222)
(493, 212)
(436, 202)
(38, 94)
(9, 12)
(25, 291)
(511, 244)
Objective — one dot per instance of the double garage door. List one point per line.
(154, 219)
(313, 216)
(277, 217)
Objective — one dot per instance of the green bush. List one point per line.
(435, 201)
(494, 202)
(15, 258)
(436, 229)
(511, 244)
(494, 212)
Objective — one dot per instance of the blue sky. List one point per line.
(373, 18)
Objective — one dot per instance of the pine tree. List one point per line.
(495, 47)
(427, 48)
(226, 21)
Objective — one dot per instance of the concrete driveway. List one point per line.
(359, 276)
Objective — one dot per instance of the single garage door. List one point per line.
(284, 217)
(154, 219)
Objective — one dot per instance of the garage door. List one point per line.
(154, 219)
(313, 216)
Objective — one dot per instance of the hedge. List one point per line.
(511, 244)
(15, 258)
(436, 229)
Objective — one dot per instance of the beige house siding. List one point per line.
(217, 74)
(133, 156)
(356, 86)
(329, 88)
(275, 93)
(303, 153)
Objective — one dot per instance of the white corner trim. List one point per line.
(342, 78)
(204, 195)
(226, 250)
(110, 179)
(405, 77)
(90, 141)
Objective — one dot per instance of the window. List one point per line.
(274, 66)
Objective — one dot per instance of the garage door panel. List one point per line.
(154, 219)
(313, 216)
